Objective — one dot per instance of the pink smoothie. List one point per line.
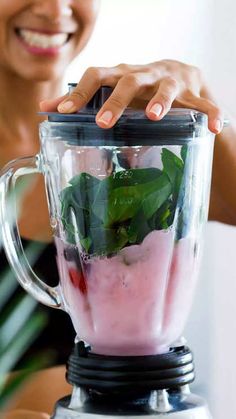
(134, 303)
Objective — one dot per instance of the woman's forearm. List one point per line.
(223, 188)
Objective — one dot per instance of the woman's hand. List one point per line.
(156, 87)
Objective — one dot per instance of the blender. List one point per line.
(127, 207)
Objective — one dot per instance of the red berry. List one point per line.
(78, 280)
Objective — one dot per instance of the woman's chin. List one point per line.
(41, 73)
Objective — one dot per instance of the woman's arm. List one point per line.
(223, 188)
(25, 414)
(39, 394)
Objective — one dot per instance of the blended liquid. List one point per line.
(133, 303)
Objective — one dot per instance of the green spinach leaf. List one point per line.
(120, 210)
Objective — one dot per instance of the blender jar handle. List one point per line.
(47, 295)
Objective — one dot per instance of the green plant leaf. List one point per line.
(122, 203)
(183, 152)
(173, 166)
(86, 243)
(139, 228)
(123, 208)
(154, 200)
(106, 241)
(163, 218)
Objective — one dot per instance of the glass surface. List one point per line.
(127, 226)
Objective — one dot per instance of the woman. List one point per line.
(38, 39)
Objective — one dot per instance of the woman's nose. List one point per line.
(52, 10)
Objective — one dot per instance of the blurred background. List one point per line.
(203, 33)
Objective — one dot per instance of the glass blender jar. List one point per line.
(127, 207)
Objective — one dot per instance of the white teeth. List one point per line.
(42, 40)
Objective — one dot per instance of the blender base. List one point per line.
(192, 407)
(137, 386)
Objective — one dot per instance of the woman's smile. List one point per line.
(39, 39)
(42, 42)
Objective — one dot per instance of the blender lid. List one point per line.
(180, 125)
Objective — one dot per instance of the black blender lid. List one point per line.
(133, 127)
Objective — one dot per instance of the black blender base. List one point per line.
(131, 386)
(119, 375)
(182, 406)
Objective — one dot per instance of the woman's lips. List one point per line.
(42, 43)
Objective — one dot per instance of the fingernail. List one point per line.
(66, 106)
(156, 109)
(218, 125)
(106, 117)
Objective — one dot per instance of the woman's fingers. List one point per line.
(52, 104)
(161, 102)
(127, 88)
(123, 78)
(172, 91)
(215, 115)
(83, 92)
(161, 85)
(80, 96)
(206, 94)
(90, 82)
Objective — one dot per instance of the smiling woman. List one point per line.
(39, 38)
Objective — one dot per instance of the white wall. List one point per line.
(221, 63)
(141, 31)
(201, 32)
(211, 329)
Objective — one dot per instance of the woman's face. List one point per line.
(39, 38)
